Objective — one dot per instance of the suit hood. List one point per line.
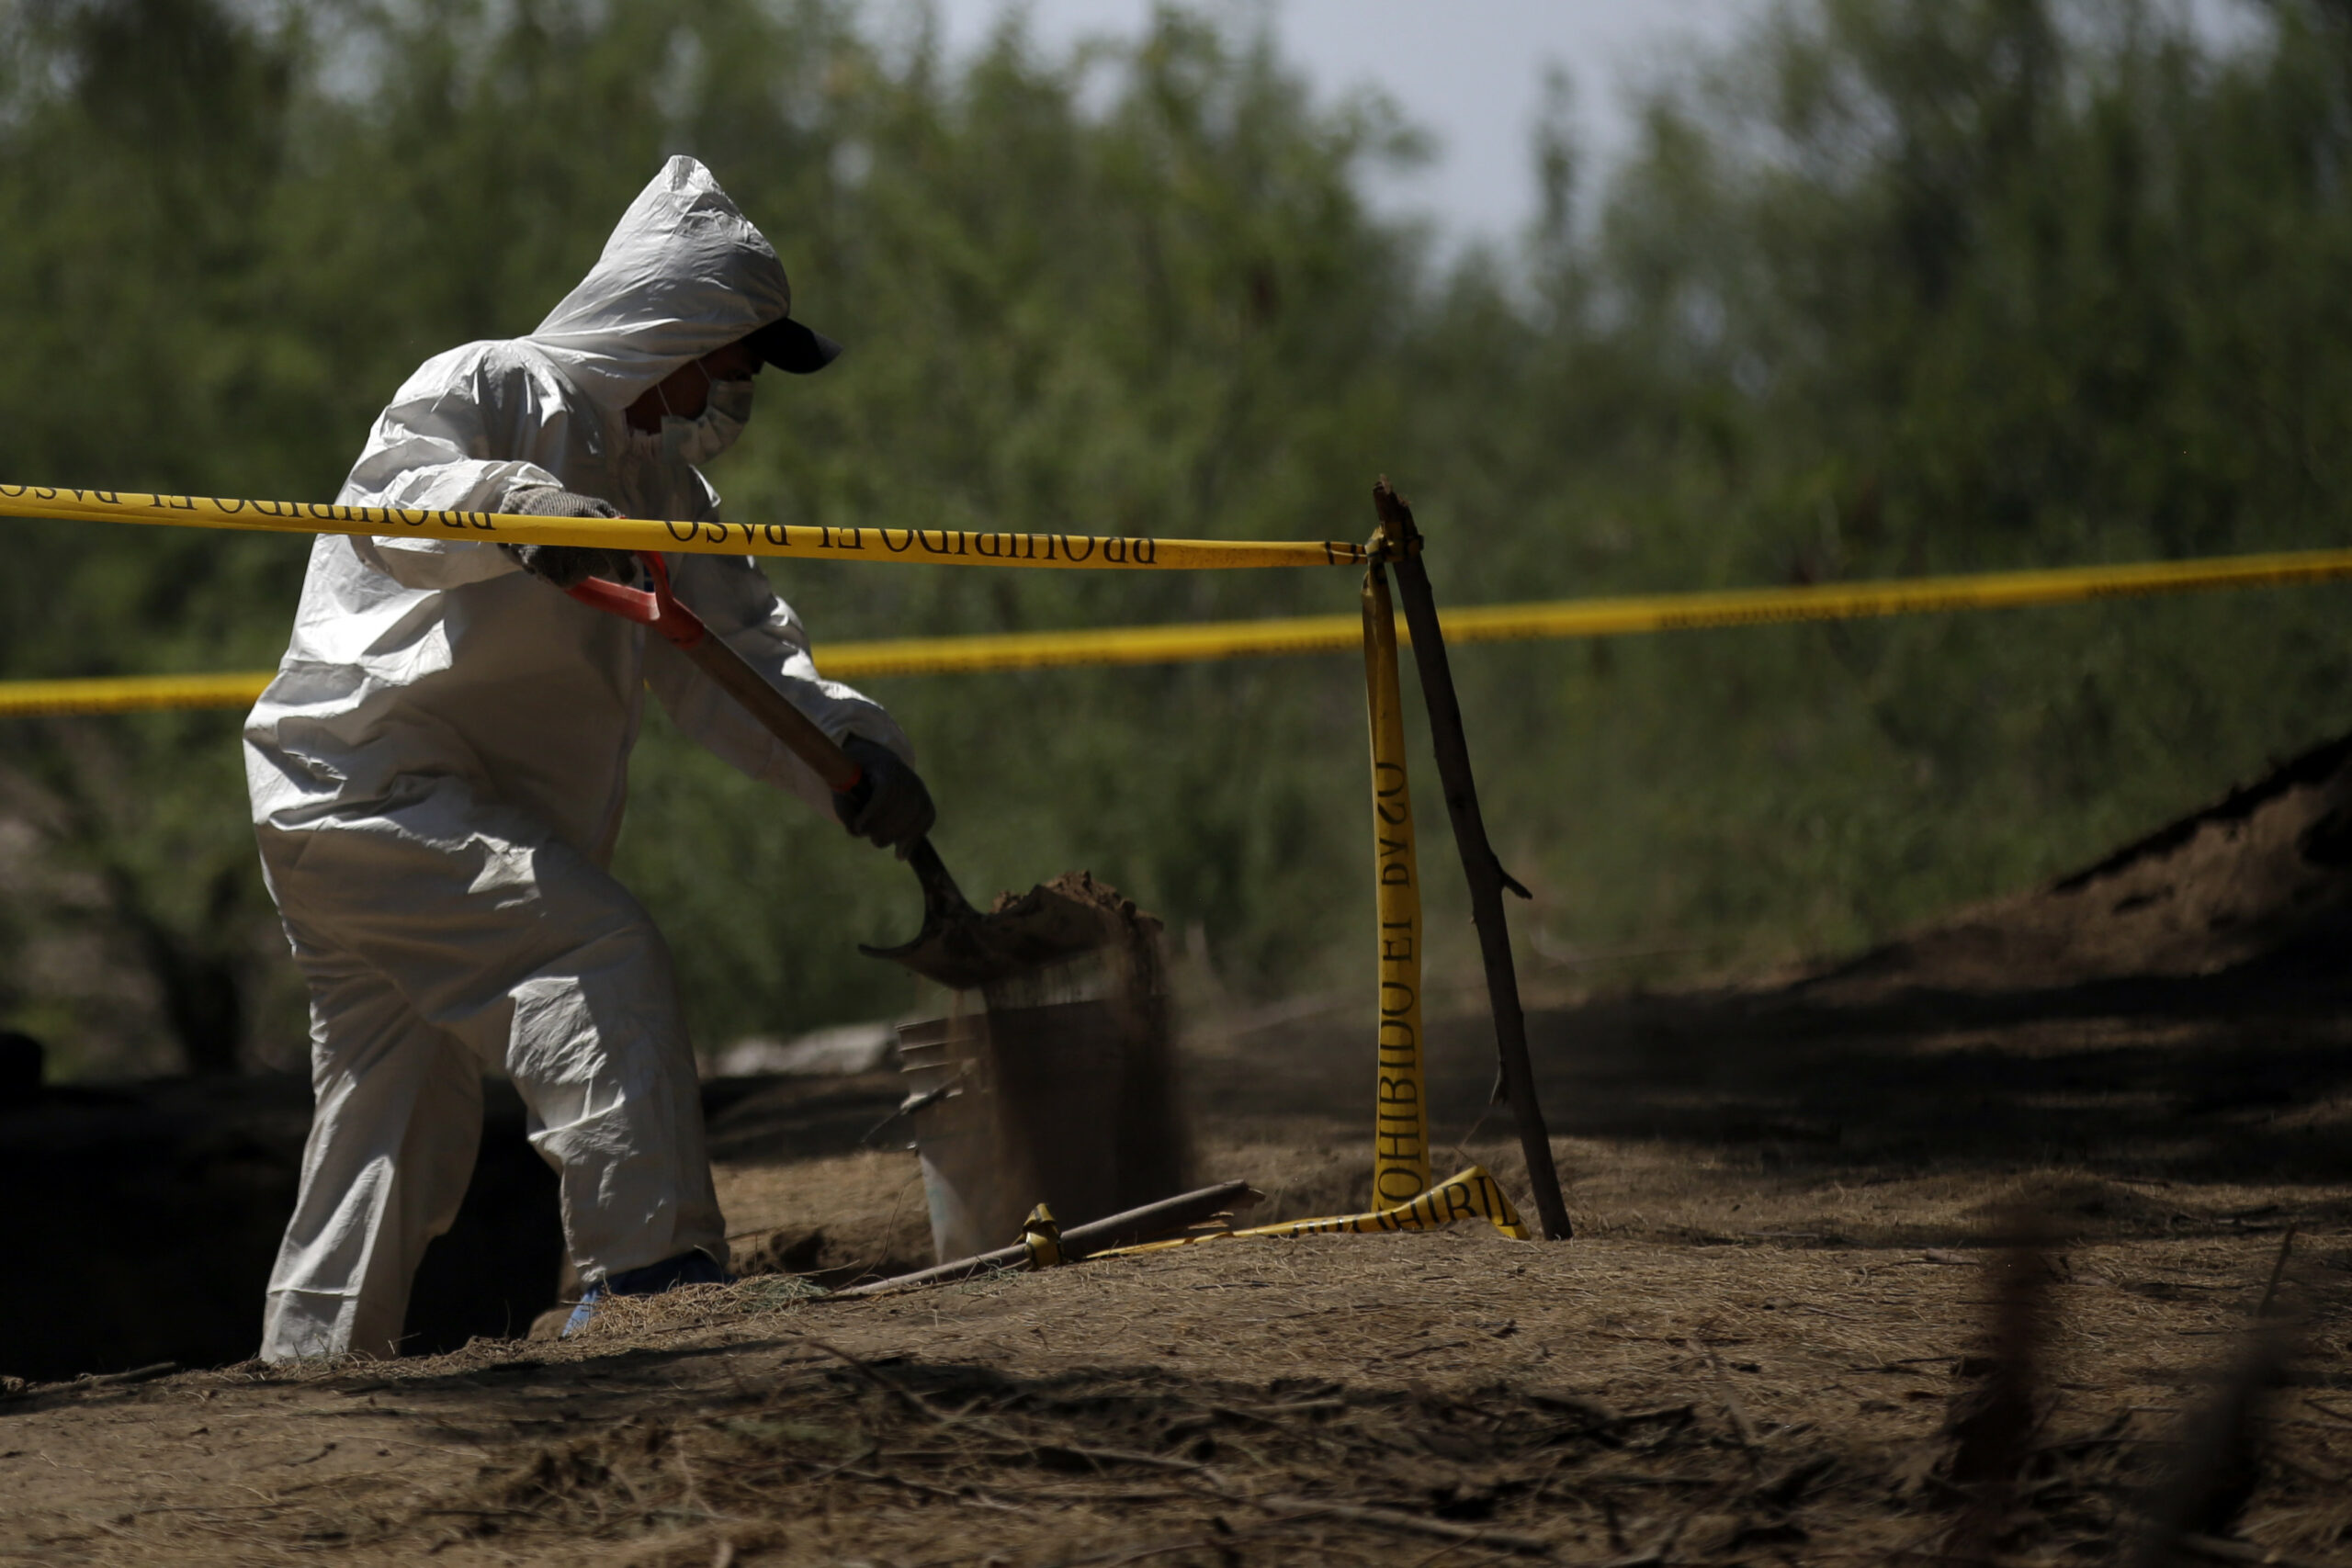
(683, 274)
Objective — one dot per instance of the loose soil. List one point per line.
(1774, 1339)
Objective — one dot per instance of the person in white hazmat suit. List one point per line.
(438, 774)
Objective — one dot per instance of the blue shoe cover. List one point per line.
(686, 1268)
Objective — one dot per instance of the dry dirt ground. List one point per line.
(1780, 1337)
(1738, 1363)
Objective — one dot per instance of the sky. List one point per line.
(1468, 72)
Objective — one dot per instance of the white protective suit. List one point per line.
(437, 775)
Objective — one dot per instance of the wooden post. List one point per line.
(1401, 543)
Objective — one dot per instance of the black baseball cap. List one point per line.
(790, 346)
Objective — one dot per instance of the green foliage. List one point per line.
(1892, 287)
(1908, 288)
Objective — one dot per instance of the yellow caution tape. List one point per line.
(1470, 1194)
(840, 660)
(936, 546)
(1898, 596)
(1204, 640)
(1333, 634)
(1583, 617)
(1589, 617)
(130, 694)
(1400, 1163)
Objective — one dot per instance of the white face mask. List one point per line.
(700, 439)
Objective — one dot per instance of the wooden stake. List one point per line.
(1401, 543)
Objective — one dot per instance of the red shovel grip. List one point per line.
(656, 608)
(659, 609)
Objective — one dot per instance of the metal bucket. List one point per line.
(1071, 1103)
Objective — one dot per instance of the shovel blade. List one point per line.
(964, 949)
(966, 954)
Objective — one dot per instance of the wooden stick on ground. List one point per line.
(1398, 1520)
(1402, 543)
(1096, 1235)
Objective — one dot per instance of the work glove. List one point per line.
(566, 566)
(889, 805)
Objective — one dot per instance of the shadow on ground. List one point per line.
(2180, 1011)
(144, 1217)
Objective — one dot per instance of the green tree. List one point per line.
(1895, 288)
(1889, 286)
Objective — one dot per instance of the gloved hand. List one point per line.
(566, 566)
(891, 806)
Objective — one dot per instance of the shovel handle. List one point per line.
(945, 908)
(661, 610)
(776, 713)
(940, 897)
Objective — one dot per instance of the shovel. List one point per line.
(958, 946)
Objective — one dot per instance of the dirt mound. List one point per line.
(2261, 878)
